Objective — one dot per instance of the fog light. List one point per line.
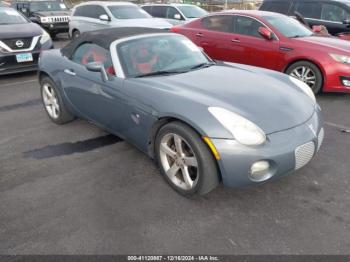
(260, 171)
(345, 81)
(51, 25)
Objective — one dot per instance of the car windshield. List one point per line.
(10, 16)
(154, 55)
(47, 6)
(128, 12)
(192, 11)
(289, 27)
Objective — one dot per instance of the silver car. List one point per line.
(203, 122)
(90, 16)
(175, 14)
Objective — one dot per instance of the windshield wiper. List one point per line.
(202, 65)
(296, 36)
(159, 73)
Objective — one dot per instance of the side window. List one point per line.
(247, 26)
(148, 9)
(159, 11)
(89, 53)
(222, 23)
(171, 12)
(334, 13)
(79, 11)
(309, 9)
(279, 7)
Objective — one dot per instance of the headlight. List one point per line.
(44, 37)
(341, 58)
(44, 20)
(243, 130)
(306, 89)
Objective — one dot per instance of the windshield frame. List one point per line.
(47, 3)
(117, 63)
(110, 7)
(179, 7)
(265, 18)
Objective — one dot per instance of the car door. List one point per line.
(215, 37)
(254, 49)
(333, 16)
(93, 98)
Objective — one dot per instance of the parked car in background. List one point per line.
(276, 42)
(175, 13)
(91, 16)
(21, 42)
(333, 14)
(52, 15)
(203, 122)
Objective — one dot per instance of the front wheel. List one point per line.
(185, 161)
(307, 72)
(53, 103)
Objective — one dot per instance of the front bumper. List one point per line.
(9, 64)
(285, 151)
(335, 73)
(56, 27)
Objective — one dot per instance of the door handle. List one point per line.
(235, 40)
(199, 34)
(69, 72)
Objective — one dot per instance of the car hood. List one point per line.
(52, 13)
(273, 103)
(328, 42)
(144, 22)
(19, 30)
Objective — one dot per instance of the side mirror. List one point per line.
(177, 16)
(98, 67)
(104, 18)
(266, 33)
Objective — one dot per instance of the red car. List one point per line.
(276, 42)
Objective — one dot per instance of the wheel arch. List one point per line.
(306, 59)
(162, 121)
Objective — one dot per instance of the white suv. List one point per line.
(175, 13)
(91, 16)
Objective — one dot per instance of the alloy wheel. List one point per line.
(179, 161)
(305, 74)
(51, 101)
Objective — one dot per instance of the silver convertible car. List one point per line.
(202, 121)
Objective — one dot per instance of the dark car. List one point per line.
(52, 15)
(21, 42)
(333, 14)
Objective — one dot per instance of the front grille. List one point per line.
(18, 43)
(320, 139)
(303, 154)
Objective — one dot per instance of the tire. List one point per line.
(204, 177)
(311, 73)
(75, 34)
(53, 36)
(58, 113)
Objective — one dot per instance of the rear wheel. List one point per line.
(307, 72)
(185, 161)
(53, 104)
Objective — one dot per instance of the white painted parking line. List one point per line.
(341, 127)
(18, 83)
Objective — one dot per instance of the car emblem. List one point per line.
(19, 43)
(312, 129)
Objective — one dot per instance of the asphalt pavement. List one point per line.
(73, 189)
